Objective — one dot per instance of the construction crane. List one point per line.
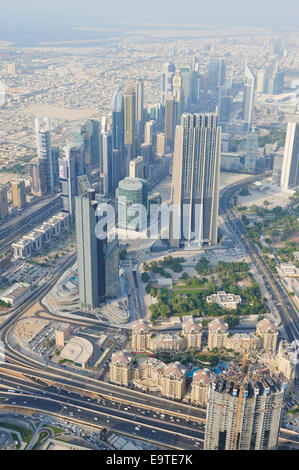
(240, 403)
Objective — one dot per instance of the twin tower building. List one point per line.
(195, 181)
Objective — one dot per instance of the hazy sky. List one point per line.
(31, 13)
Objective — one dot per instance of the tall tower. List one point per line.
(118, 136)
(290, 164)
(168, 70)
(44, 150)
(169, 129)
(90, 252)
(70, 166)
(130, 114)
(251, 151)
(18, 191)
(3, 203)
(244, 410)
(92, 128)
(216, 74)
(178, 95)
(107, 163)
(248, 97)
(195, 180)
(139, 86)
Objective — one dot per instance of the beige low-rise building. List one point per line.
(174, 381)
(172, 342)
(217, 334)
(268, 332)
(121, 366)
(224, 300)
(141, 336)
(192, 332)
(200, 386)
(282, 362)
(148, 375)
(240, 342)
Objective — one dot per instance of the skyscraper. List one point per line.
(169, 129)
(224, 104)
(178, 95)
(97, 258)
(244, 410)
(38, 170)
(44, 150)
(18, 191)
(118, 136)
(186, 74)
(106, 163)
(148, 132)
(130, 114)
(168, 71)
(139, 86)
(216, 74)
(248, 97)
(92, 128)
(3, 203)
(131, 192)
(70, 167)
(290, 164)
(195, 180)
(251, 152)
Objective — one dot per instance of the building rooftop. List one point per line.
(77, 349)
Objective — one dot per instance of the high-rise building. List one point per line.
(170, 122)
(136, 168)
(290, 164)
(168, 71)
(18, 191)
(277, 167)
(38, 170)
(130, 115)
(248, 97)
(92, 128)
(216, 74)
(148, 132)
(139, 86)
(195, 180)
(3, 203)
(244, 409)
(132, 194)
(97, 258)
(106, 164)
(224, 104)
(187, 75)
(44, 149)
(251, 152)
(178, 95)
(118, 142)
(146, 151)
(161, 141)
(82, 138)
(90, 252)
(70, 167)
(260, 81)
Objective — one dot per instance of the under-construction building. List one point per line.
(244, 409)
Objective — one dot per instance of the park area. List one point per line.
(187, 296)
